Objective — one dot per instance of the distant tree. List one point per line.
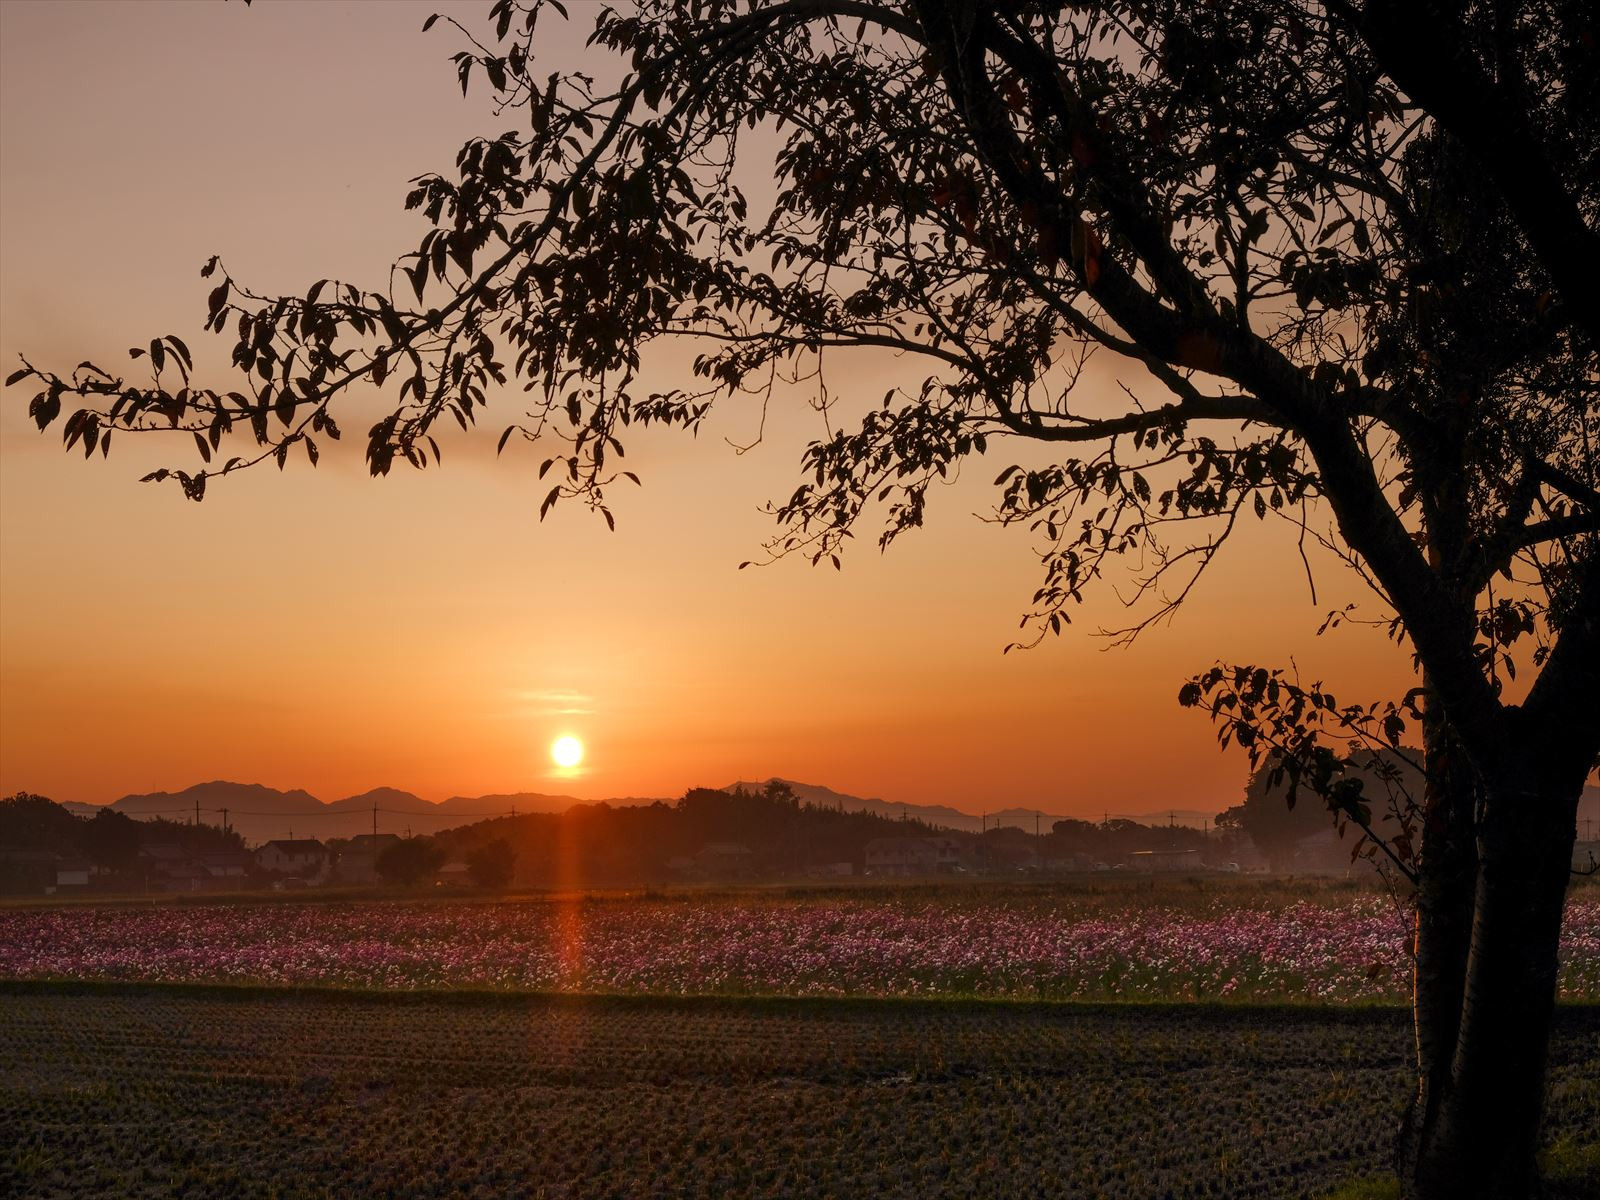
(195, 839)
(31, 822)
(111, 840)
(1275, 826)
(779, 794)
(1350, 245)
(1116, 839)
(1078, 837)
(492, 864)
(1380, 790)
(409, 861)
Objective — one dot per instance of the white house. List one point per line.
(306, 858)
(72, 873)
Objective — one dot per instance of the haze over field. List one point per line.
(260, 813)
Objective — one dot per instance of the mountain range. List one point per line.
(955, 818)
(262, 813)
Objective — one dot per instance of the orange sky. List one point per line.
(323, 630)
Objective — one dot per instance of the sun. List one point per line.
(566, 751)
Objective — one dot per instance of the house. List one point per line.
(306, 858)
(187, 876)
(72, 873)
(372, 843)
(1008, 854)
(453, 874)
(724, 860)
(913, 856)
(168, 867)
(358, 862)
(232, 866)
(24, 871)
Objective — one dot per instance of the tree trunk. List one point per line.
(1475, 1125)
(1447, 883)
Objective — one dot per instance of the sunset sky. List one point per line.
(323, 630)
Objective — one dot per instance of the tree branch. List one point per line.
(1419, 46)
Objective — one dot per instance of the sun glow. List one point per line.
(566, 752)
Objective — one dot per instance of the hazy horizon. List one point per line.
(966, 808)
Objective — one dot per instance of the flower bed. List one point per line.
(1216, 948)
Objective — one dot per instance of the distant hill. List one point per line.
(383, 797)
(521, 802)
(260, 813)
(826, 797)
(955, 818)
(238, 798)
(215, 794)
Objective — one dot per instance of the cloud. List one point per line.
(553, 702)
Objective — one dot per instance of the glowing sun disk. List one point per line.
(566, 751)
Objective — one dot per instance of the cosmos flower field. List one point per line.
(1229, 946)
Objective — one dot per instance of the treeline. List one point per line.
(767, 832)
(110, 841)
(1114, 841)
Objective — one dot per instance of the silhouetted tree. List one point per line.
(31, 822)
(111, 840)
(492, 864)
(409, 861)
(1276, 818)
(1349, 245)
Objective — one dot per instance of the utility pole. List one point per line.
(984, 827)
(374, 826)
(197, 812)
(224, 820)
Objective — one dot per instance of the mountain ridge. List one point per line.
(261, 813)
(956, 818)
